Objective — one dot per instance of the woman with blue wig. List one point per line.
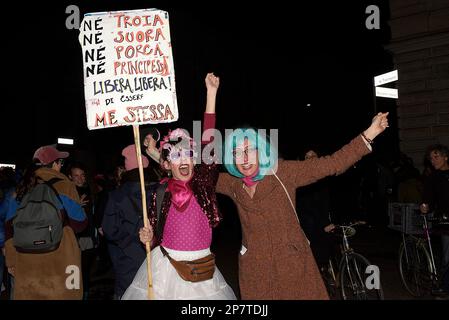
(276, 261)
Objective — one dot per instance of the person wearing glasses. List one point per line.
(42, 276)
(188, 213)
(276, 262)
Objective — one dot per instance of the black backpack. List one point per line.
(38, 225)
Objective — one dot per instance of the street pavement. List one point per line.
(379, 244)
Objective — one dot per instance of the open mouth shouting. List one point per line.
(184, 170)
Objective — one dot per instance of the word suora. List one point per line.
(138, 43)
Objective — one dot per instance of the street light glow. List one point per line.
(65, 141)
(7, 165)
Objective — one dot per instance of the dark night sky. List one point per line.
(272, 59)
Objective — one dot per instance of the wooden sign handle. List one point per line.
(144, 207)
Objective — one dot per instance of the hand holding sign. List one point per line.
(129, 78)
(378, 125)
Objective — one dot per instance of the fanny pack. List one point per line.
(193, 271)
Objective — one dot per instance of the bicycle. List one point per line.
(351, 278)
(417, 268)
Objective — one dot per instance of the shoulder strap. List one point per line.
(160, 193)
(288, 196)
(50, 183)
(165, 253)
(53, 180)
(291, 203)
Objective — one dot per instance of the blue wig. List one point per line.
(266, 152)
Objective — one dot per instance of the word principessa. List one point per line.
(154, 66)
(122, 85)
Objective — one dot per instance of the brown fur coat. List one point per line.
(278, 263)
(43, 276)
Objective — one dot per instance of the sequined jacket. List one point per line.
(203, 182)
(203, 186)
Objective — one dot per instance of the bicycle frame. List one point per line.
(429, 244)
(350, 266)
(346, 252)
(412, 246)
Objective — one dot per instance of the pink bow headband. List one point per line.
(174, 136)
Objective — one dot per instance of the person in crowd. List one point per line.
(122, 220)
(40, 276)
(7, 187)
(87, 239)
(276, 261)
(104, 185)
(436, 200)
(182, 230)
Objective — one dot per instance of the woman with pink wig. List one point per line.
(181, 229)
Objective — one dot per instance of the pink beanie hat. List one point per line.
(131, 159)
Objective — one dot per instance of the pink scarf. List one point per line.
(181, 193)
(248, 181)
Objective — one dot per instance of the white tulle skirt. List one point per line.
(168, 285)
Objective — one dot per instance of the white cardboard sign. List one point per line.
(386, 92)
(129, 75)
(386, 78)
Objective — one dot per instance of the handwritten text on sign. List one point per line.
(129, 73)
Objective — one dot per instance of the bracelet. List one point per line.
(367, 140)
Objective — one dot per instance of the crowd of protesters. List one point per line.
(97, 248)
(103, 227)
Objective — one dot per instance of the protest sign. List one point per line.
(129, 76)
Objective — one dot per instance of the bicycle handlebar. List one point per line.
(357, 223)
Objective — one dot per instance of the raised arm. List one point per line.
(212, 84)
(301, 173)
(208, 171)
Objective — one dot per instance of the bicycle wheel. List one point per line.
(353, 279)
(415, 267)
